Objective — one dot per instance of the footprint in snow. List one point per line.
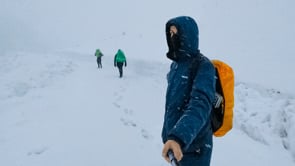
(116, 105)
(128, 122)
(37, 151)
(128, 111)
(145, 134)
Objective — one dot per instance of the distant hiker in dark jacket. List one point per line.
(98, 55)
(119, 61)
(187, 128)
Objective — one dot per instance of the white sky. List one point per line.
(253, 36)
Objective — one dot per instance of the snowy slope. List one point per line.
(59, 109)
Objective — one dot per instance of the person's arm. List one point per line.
(115, 64)
(125, 63)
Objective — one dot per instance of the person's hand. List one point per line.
(175, 147)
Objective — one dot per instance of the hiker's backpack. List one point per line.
(222, 109)
(120, 57)
(222, 112)
(98, 53)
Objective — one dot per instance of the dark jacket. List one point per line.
(188, 103)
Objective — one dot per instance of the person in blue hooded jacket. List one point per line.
(187, 127)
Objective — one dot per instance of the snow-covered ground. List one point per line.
(57, 108)
(60, 109)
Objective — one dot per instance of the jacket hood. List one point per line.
(188, 32)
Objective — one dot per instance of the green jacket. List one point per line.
(120, 56)
(98, 53)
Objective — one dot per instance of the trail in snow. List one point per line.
(84, 111)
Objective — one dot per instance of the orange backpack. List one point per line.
(222, 109)
(222, 113)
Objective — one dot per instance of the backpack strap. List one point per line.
(194, 67)
(217, 111)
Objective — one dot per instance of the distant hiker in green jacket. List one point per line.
(119, 61)
(98, 55)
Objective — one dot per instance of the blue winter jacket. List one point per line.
(188, 103)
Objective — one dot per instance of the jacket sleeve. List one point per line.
(198, 110)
